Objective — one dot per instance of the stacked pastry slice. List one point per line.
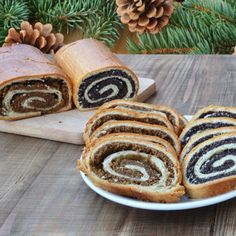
(135, 167)
(209, 152)
(132, 149)
(30, 84)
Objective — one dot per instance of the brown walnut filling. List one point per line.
(118, 164)
(99, 122)
(46, 99)
(132, 129)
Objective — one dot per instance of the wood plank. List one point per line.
(21, 161)
(54, 200)
(59, 202)
(65, 126)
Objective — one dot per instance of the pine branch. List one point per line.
(63, 15)
(231, 2)
(13, 12)
(221, 9)
(214, 31)
(106, 26)
(96, 19)
(171, 40)
(190, 31)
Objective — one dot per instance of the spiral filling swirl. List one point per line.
(105, 86)
(34, 95)
(212, 162)
(137, 168)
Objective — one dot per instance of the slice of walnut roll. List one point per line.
(134, 166)
(30, 84)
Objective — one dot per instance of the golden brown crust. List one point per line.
(191, 124)
(203, 134)
(21, 62)
(102, 131)
(172, 194)
(210, 188)
(166, 197)
(87, 57)
(121, 103)
(213, 108)
(183, 122)
(126, 115)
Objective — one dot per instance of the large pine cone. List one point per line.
(145, 15)
(39, 35)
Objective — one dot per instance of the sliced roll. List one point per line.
(98, 76)
(198, 126)
(30, 84)
(135, 168)
(203, 136)
(103, 116)
(182, 123)
(170, 113)
(210, 168)
(139, 137)
(135, 127)
(215, 111)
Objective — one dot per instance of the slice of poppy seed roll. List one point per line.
(170, 113)
(203, 136)
(210, 168)
(103, 116)
(134, 168)
(135, 127)
(215, 111)
(98, 76)
(198, 126)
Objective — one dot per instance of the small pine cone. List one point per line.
(39, 35)
(145, 15)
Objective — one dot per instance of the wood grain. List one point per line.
(42, 193)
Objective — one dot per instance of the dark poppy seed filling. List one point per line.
(218, 114)
(45, 95)
(105, 86)
(200, 128)
(132, 165)
(207, 167)
(201, 140)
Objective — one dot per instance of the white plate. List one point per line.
(183, 204)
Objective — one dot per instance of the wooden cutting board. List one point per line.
(67, 126)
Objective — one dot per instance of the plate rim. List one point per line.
(192, 204)
(178, 206)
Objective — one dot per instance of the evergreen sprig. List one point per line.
(171, 41)
(97, 19)
(106, 25)
(12, 13)
(196, 26)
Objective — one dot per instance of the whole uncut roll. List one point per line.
(98, 76)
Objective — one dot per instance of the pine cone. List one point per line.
(39, 35)
(145, 15)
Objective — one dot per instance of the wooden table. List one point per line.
(42, 193)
